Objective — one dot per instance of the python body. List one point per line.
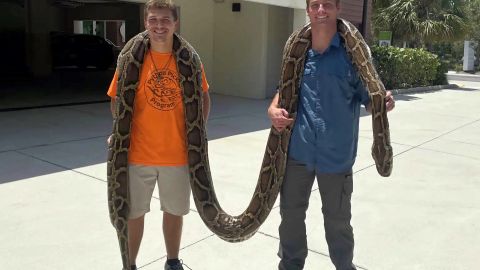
(243, 226)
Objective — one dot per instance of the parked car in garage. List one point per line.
(81, 51)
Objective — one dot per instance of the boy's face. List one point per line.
(160, 24)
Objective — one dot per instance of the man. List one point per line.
(323, 143)
(157, 152)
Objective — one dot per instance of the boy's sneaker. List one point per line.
(177, 266)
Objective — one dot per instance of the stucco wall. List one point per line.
(280, 26)
(196, 25)
(240, 40)
(299, 18)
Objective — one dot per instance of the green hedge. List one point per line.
(405, 67)
(441, 77)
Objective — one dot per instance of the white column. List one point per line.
(78, 27)
(122, 31)
(468, 56)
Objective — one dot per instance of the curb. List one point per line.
(463, 77)
(423, 89)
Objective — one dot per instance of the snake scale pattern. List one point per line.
(243, 226)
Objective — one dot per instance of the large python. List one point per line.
(243, 226)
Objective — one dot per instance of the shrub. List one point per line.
(405, 67)
(441, 77)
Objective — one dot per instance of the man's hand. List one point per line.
(279, 118)
(389, 101)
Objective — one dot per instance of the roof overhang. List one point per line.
(75, 3)
(283, 3)
(300, 4)
(135, 1)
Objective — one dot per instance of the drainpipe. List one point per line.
(364, 29)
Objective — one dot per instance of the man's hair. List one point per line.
(161, 4)
(308, 2)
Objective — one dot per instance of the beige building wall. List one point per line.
(280, 26)
(196, 25)
(299, 18)
(241, 51)
(248, 46)
(240, 40)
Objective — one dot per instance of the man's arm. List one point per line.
(206, 106)
(278, 116)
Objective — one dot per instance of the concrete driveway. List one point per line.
(425, 216)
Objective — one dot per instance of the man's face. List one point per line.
(160, 24)
(323, 12)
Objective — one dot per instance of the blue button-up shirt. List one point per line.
(325, 134)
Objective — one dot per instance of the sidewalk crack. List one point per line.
(59, 165)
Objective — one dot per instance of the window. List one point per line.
(111, 30)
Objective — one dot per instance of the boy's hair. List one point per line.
(160, 4)
(308, 2)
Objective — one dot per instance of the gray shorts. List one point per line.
(173, 189)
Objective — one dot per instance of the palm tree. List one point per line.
(418, 22)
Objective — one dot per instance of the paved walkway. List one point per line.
(425, 216)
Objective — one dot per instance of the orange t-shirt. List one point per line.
(158, 126)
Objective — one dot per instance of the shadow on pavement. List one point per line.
(465, 89)
(63, 87)
(404, 97)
